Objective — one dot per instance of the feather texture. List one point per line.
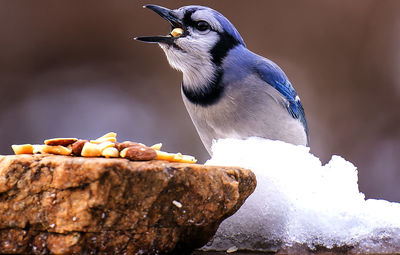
(275, 77)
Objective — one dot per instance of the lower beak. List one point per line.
(155, 39)
(168, 15)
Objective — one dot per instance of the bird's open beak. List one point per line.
(167, 14)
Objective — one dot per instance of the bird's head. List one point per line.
(199, 40)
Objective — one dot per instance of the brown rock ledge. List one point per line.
(73, 205)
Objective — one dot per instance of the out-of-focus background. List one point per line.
(72, 69)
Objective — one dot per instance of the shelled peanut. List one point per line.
(104, 146)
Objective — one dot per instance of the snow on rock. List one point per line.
(299, 201)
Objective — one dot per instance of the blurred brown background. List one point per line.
(71, 68)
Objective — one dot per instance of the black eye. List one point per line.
(202, 26)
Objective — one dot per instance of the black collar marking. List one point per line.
(208, 95)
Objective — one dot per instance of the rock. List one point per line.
(73, 205)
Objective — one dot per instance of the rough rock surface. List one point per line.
(73, 205)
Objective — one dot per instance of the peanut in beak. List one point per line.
(176, 32)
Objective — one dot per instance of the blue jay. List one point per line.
(229, 91)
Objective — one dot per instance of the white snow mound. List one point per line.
(300, 201)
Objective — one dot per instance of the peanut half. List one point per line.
(186, 159)
(60, 141)
(126, 144)
(110, 152)
(22, 149)
(177, 32)
(172, 157)
(138, 152)
(109, 137)
(110, 134)
(90, 150)
(57, 149)
(162, 155)
(156, 146)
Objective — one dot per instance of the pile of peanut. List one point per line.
(105, 146)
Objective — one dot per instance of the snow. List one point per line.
(299, 201)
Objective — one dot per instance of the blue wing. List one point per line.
(274, 76)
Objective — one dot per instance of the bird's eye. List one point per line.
(202, 26)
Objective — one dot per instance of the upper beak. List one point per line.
(168, 15)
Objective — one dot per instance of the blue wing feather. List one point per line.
(274, 76)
